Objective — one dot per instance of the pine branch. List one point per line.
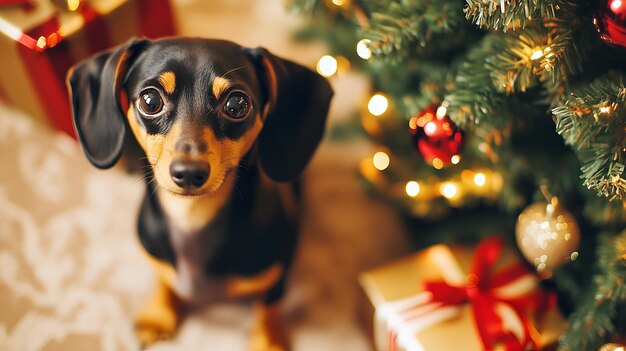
(564, 51)
(593, 323)
(507, 64)
(593, 123)
(434, 78)
(394, 29)
(544, 52)
(507, 14)
(474, 99)
(519, 65)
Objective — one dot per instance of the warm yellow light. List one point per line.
(483, 147)
(378, 104)
(64, 29)
(413, 123)
(338, 2)
(437, 163)
(327, 66)
(455, 159)
(430, 128)
(537, 54)
(72, 5)
(412, 188)
(448, 190)
(467, 175)
(441, 111)
(41, 42)
(363, 50)
(480, 179)
(381, 161)
(605, 109)
(422, 120)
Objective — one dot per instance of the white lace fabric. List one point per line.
(71, 272)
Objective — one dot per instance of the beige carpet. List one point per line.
(72, 274)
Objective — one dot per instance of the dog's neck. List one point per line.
(191, 213)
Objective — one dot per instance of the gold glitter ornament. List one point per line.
(547, 235)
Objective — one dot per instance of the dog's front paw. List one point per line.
(151, 328)
(269, 333)
(159, 318)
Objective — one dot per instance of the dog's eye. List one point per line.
(150, 102)
(237, 106)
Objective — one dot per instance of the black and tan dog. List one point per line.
(220, 125)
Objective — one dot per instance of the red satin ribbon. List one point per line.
(479, 291)
(48, 69)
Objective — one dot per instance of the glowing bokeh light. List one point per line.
(327, 66)
(363, 50)
(412, 188)
(381, 161)
(378, 104)
(448, 190)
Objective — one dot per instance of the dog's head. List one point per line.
(197, 107)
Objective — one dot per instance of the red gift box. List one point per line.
(40, 42)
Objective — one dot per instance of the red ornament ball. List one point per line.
(610, 21)
(437, 140)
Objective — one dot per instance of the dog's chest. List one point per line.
(192, 250)
(196, 230)
(234, 247)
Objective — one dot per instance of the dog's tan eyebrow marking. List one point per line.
(168, 81)
(220, 85)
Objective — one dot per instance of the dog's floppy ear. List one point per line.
(295, 115)
(95, 86)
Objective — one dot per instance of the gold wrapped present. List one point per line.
(453, 298)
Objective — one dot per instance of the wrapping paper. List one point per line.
(39, 43)
(408, 318)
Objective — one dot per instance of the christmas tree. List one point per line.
(487, 109)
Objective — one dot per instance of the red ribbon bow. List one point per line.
(479, 291)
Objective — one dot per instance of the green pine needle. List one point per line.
(507, 14)
(593, 323)
(395, 28)
(593, 122)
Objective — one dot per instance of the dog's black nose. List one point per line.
(189, 174)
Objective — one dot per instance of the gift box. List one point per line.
(41, 39)
(455, 298)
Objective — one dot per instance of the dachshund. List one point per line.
(223, 132)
